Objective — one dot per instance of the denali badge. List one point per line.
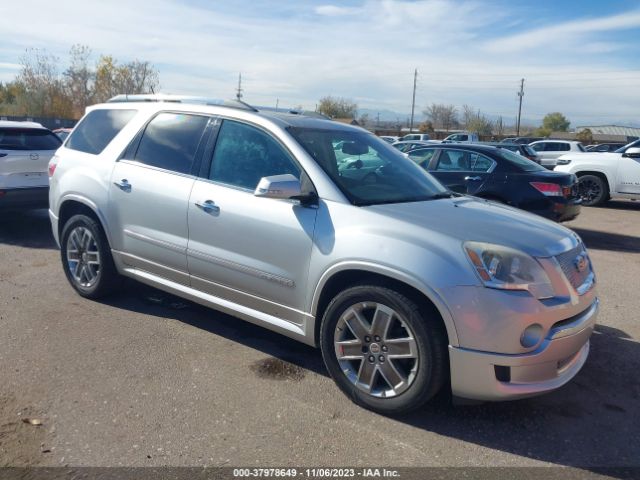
(581, 263)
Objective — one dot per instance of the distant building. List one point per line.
(627, 134)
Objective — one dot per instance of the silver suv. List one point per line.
(401, 283)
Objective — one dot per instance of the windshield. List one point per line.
(366, 169)
(635, 143)
(523, 163)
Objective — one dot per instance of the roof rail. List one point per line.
(124, 98)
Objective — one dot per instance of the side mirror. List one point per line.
(633, 152)
(279, 186)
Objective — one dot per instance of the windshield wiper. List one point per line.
(447, 194)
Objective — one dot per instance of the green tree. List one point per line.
(585, 136)
(556, 122)
(337, 107)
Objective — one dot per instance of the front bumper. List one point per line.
(18, 198)
(492, 376)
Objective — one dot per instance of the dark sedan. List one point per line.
(501, 175)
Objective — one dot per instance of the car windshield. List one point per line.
(523, 163)
(366, 169)
(635, 143)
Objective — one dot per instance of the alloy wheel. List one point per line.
(83, 257)
(376, 349)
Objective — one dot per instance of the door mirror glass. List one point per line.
(279, 186)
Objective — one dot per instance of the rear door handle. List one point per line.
(208, 206)
(123, 185)
(475, 179)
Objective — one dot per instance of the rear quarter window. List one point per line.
(96, 130)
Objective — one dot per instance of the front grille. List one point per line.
(568, 263)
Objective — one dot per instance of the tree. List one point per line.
(337, 107)
(40, 90)
(442, 116)
(555, 122)
(475, 121)
(585, 136)
(79, 78)
(499, 126)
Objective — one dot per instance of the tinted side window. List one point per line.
(480, 163)
(97, 129)
(538, 147)
(453, 161)
(422, 156)
(564, 147)
(244, 154)
(28, 139)
(171, 140)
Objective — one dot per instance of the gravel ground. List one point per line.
(145, 379)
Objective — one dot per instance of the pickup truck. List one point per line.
(603, 176)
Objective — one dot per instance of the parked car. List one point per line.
(550, 150)
(405, 286)
(415, 136)
(604, 147)
(500, 175)
(607, 175)
(405, 147)
(389, 138)
(462, 137)
(25, 151)
(62, 133)
(519, 148)
(521, 140)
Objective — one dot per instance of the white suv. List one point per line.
(25, 151)
(550, 150)
(605, 175)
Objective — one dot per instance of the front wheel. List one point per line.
(383, 350)
(86, 257)
(593, 190)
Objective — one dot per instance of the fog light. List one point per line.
(531, 335)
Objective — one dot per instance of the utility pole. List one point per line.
(520, 94)
(239, 90)
(413, 103)
(378, 120)
(277, 102)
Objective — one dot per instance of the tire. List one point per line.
(86, 258)
(593, 190)
(367, 360)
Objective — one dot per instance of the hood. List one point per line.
(589, 155)
(472, 219)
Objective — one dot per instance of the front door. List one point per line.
(149, 194)
(628, 180)
(244, 248)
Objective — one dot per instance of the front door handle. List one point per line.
(208, 206)
(472, 179)
(123, 185)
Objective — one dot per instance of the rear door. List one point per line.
(24, 156)
(462, 171)
(149, 194)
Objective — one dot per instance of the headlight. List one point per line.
(563, 161)
(508, 269)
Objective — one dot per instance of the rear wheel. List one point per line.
(86, 257)
(383, 350)
(593, 190)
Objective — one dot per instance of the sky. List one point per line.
(577, 57)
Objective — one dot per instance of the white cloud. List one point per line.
(565, 32)
(366, 51)
(334, 10)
